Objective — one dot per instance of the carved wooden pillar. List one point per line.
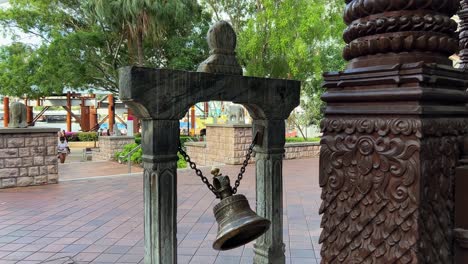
(6, 111)
(269, 248)
(93, 117)
(69, 117)
(463, 35)
(29, 115)
(111, 112)
(461, 214)
(390, 143)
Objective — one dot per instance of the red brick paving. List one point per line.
(100, 220)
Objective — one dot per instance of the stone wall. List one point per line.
(302, 150)
(228, 144)
(28, 156)
(109, 145)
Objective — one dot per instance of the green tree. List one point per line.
(237, 11)
(137, 19)
(297, 39)
(79, 49)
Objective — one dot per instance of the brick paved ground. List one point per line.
(100, 219)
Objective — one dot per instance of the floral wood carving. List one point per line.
(463, 35)
(374, 175)
(410, 21)
(356, 9)
(396, 26)
(403, 42)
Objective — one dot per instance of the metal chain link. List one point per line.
(244, 165)
(198, 171)
(206, 181)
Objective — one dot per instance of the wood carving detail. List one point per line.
(356, 9)
(402, 22)
(439, 158)
(402, 42)
(387, 190)
(400, 26)
(463, 35)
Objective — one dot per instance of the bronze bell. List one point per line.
(237, 223)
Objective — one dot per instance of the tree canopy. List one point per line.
(81, 48)
(297, 39)
(84, 42)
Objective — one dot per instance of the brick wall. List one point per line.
(109, 145)
(228, 144)
(28, 156)
(302, 150)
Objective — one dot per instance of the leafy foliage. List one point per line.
(140, 20)
(136, 157)
(297, 39)
(87, 136)
(81, 136)
(301, 139)
(81, 49)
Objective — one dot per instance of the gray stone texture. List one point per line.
(28, 156)
(109, 145)
(228, 144)
(15, 142)
(24, 181)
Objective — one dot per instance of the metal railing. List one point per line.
(129, 161)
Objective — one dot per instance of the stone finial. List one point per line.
(222, 43)
(18, 114)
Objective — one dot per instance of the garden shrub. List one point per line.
(81, 136)
(136, 156)
(301, 139)
(71, 136)
(87, 136)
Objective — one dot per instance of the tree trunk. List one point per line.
(140, 52)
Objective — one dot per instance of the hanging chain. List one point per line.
(206, 181)
(244, 165)
(197, 171)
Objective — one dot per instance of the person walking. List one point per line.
(62, 149)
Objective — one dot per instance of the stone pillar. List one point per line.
(159, 143)
(109, 145)
(269, 248)
(390, 135)
(28, 156)
(463, 34)
(6, 111)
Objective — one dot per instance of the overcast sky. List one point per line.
(6, 40)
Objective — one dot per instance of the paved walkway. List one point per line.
(92, 217)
